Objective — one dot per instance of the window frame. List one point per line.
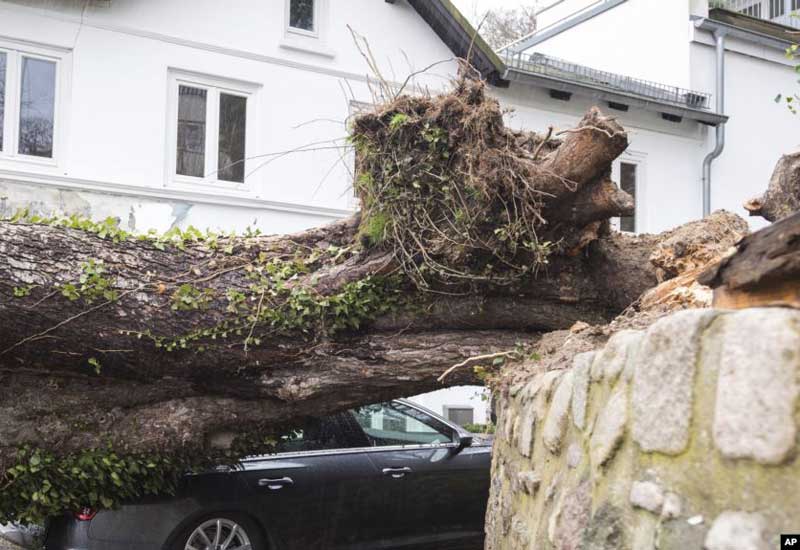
(15, 53)
(639, 161)
(315, 33)
(214, 86)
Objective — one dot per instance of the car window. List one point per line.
(398, 424)
(334, 432)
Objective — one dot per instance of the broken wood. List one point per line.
(763, 271)
(782, 197)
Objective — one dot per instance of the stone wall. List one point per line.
(683, 436)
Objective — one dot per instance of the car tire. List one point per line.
(201, 533)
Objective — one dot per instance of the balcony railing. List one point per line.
(784, 12)
(564, 70)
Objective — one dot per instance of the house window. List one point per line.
(37, 107)
(212, 131)
(28, 98)
(302, 15)
(232, 134)
(460, 415)
(192, 106)
(627, 182)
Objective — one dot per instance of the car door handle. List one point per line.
(275, 484)
(397, 473)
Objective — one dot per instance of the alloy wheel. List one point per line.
(218, 534)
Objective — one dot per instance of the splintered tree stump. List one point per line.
(764, 270)
(783, 194)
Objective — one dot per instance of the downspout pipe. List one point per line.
(719, 38)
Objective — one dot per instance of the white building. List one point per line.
(134, 109)
(231, 114)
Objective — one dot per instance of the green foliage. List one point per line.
(189, 298)
(22, 291)
(436, 138)
(70, 292)
(480, 428)
(105, 229)
(372, 231)
(93, 284)
(791, 100)
(274, 304)
(42, 485)
(398, 120)
(237, 300)
(109, 229)
(95, 364)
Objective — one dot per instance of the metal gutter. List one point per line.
(563, 25)
(747, 35)
(582, 89)
(719, 37)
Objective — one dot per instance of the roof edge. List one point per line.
(474, 35)
(460, 36)
(646, 103)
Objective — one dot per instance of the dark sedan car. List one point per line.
(392, 475)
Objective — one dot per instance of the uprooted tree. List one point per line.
(120, 354)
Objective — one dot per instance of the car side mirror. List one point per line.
(464, 441)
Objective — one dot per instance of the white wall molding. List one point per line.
(194, 196)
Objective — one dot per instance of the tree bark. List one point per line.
(782, 197)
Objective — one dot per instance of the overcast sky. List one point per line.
(472, 7)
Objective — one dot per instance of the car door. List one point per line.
(439, 490)
(292, 489)
(361, 510)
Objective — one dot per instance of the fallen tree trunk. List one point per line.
(468, 244)
(147, 371)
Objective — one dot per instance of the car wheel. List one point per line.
(221, 532)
